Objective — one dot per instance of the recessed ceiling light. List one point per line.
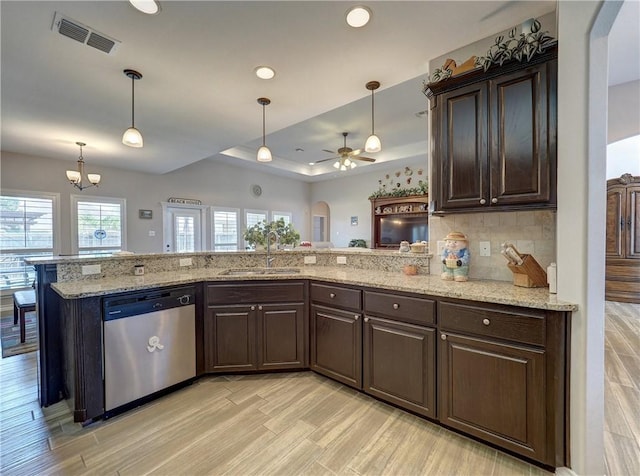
(312, 163)
(358, 16)
(150, 7)
(265, 72)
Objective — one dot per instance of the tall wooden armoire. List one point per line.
(623, 239)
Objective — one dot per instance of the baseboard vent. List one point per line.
(84, 34)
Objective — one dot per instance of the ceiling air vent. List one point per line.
(84, 34)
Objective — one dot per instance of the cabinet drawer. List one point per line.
(336, 296)
(524, 327)
(404, 308)
(255, 293)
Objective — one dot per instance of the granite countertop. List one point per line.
(497, 292)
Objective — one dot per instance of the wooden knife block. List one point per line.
(529, 274)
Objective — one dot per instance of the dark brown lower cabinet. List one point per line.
(336, 344)
(255, 337)
(399, 364)
(494, 391)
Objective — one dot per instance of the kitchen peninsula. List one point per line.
(485, 358)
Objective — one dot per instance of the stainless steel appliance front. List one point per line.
(145, 353)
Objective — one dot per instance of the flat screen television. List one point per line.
(395, 229)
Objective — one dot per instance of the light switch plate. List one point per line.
(91, 269)
(309, 260)
(186, 261)
(152, 233)
(341, 259)
(485, 248)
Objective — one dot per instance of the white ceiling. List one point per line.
(198, 94)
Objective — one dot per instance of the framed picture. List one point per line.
(147, 214)
(354, 221)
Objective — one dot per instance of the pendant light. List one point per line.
(373, 141)
(132, 136)
(264, 154)
(75, 176)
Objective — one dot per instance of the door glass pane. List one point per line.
(184, 227)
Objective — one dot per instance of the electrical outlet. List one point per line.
(91, 269)
(309, 260)
(186, 261)
(485, 248)
(152, 233)
(341, 259)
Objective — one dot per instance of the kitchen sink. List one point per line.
(259, 271)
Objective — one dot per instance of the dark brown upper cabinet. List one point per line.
(494, 138)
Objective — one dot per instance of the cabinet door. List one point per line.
(281, 343)
(520, 169)
(616, 222)
(230, 338)
(633, 222)
(495, 392)
(399, 364)
(463, 147)
(336, 344)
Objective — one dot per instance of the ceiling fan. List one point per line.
(346, 156)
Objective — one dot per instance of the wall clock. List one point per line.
(256, 190)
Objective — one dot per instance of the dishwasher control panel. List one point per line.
(143, 302)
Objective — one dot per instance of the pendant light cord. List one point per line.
(372, 114)
(263, 120)
(133, 101)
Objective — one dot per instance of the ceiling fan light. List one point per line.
(336, 164)
(352, 165)
(94, 178)
(373, 144)
(150, 7)
(347, 162)
(343, 168)
(264, 154)
(73, 176)
(132, 138)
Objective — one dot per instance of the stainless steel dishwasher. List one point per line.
(149, 343)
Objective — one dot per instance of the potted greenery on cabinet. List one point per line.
(256, 235)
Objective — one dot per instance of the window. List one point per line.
(28, 227)
(99, 224)
(253, 217)
(286, 216)
(225, 229)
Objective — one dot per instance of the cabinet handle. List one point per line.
(396, 305)
(486, 322)
(366, 319)
(494, 200)
(443, 336)
(332, 295)
(356, 317)
(260, 308)
(482, 201)
(253, 308)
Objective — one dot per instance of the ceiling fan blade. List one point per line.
(329, 151)
(326, 160)
(355, 152)
(364, 159)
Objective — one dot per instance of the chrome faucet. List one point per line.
(277, 237)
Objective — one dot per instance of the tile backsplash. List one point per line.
(532, 232)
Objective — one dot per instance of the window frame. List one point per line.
(55, 224)
(74, 199)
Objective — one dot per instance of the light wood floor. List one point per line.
(284, 424)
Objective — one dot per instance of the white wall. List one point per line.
(347, 196)
(624, 111)
(623, 157)
(211, 182)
